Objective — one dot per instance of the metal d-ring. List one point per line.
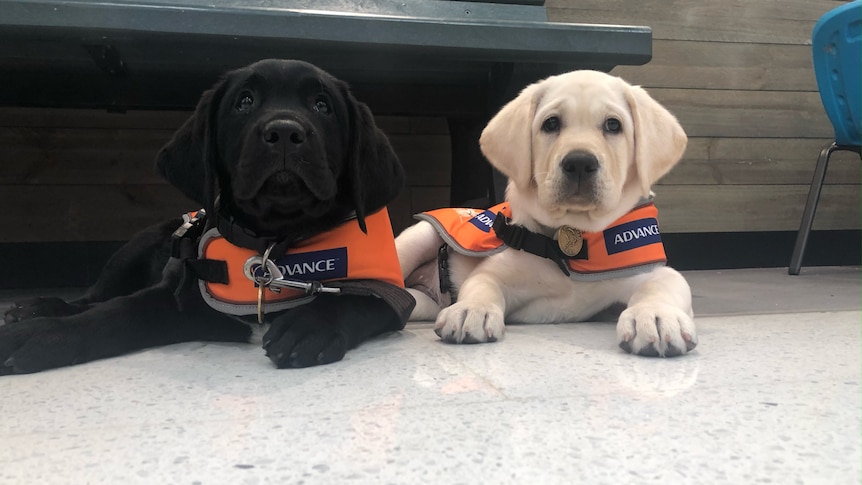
(270, 272)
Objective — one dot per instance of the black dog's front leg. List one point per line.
(143, 319)
(42, 306)
(322, 331)
(136, 265)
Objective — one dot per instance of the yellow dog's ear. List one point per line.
(507, 141)
(659, 139)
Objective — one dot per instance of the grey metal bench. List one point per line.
(460, 60)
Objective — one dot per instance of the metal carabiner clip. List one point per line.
(269, 273)
(309, 287)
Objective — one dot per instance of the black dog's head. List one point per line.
(286, 148)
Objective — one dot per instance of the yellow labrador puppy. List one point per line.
(578, 231)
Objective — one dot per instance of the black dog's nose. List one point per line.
(278, 130)
(580, 164)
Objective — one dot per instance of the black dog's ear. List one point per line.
(188, 160)
(376, 175)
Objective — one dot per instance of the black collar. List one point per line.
(240, 236)
(521, 238)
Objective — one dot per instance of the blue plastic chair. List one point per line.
(837, 46)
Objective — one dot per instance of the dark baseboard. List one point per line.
(732, 250)
(76, 264)
(53, 264)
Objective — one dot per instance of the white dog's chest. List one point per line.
(540, 292)
(257, 332)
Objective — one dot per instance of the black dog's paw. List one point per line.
(36, 345)
(43, 306)
(304, 343)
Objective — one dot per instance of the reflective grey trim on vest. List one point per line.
(453, 243)
(616, 273)
(250, 309)
(242, 309)
(643, 201)
(211, 234)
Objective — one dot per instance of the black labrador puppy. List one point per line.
(282, 157)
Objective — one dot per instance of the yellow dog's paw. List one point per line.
(470, 323)
(656, 330)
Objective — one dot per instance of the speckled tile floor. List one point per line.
(771, 395)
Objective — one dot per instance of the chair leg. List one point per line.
(810, 207)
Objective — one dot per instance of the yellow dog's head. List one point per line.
(581, 148)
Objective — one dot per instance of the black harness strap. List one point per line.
(211, 270)
(184, 242)
(521, 238)
(443, 273)
(184, 247)
(239, 236)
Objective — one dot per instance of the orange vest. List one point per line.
(630, 245)
(343, 253)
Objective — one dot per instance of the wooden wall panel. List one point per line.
(725, 65)
(85, 212)
(88, 175)
(85, 118)
(766, 161)
(746, 114)
(426, 158)
(742, 21)
(744, 208)
(47, 155)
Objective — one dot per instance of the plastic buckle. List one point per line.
(185, 231)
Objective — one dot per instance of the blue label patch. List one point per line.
(631, 235)
(484, 221)
(327, 264)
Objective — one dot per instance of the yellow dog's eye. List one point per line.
(613, 125)
(551, 125)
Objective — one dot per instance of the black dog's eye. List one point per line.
(246, 101)
(551, 125)
(321, 105)
(612, 125)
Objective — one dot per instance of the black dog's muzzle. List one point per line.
(287, 134)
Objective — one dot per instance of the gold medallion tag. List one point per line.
(570, 240)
